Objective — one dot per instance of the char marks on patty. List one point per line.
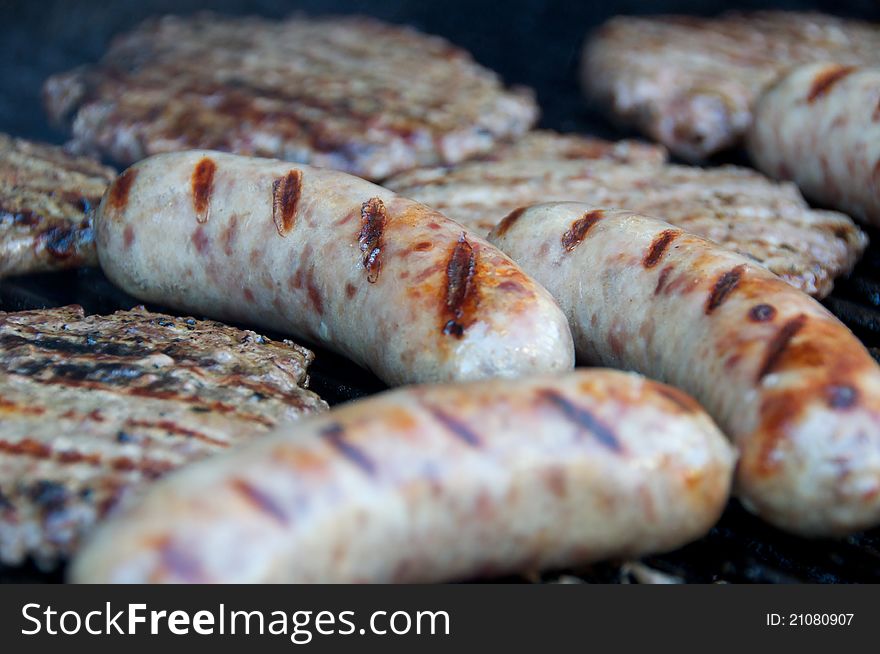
(100, 406)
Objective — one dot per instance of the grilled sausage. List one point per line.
(791, 385)
(322, 255)
(820, 126)
(434, 483)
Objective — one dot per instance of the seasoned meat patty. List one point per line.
(547, 144)
(691, 83)
(738, 208)
(93, 409)
(341, 92)
(45, 199)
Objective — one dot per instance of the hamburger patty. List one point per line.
(45, 199)
(736, 207)
(342, 92)
(691, 83)
(93, 409)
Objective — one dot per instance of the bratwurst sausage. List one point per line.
(792, 386)
(820, 126)
(435, 483)
(322, 255)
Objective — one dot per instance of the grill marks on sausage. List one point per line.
(455, 427)
(776, 348)
(682, 400)
(662, 278)
(723, 287)
(583, 420)
(374, 217)
(203, 187)
(178, 561)
(286, 192)
(509, 221)
(658, 247)
(314, 293)
(200, 239)
(841, 396)
(229, 234)
(259, 499)
(461, 289)
(128, 237)
(119, 190)
(762, 313)
(825, 80)
(579, 228)
(334, 434)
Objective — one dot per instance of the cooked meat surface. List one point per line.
(795, 390)
(691, 83)
(45, 199)
(389, 283)
(435, 483)
(819, 126)
(341, 92)
(547, 144)
(738, 208)
(93, 409)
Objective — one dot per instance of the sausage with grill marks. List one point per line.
(820, 127)
(322, 255)
(433, 483)
(793, 387)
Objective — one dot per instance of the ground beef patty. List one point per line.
(93, 409)
(341, 92)
(738, 208)
(46, 196)
(691, 82)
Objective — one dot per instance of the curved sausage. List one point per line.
(820, 127)
(322, 255)
(792, 386)
(433, 483)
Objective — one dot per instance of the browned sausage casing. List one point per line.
(433, 483)
(793, 387)
(322, 255)
(820, 126)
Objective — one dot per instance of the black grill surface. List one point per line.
(529, 42)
